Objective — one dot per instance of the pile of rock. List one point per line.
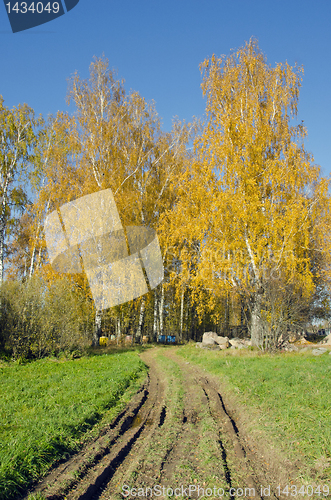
(304, 345)
(211, 340)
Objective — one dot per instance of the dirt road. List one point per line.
(177, 439)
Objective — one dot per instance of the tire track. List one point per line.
(156, 442)
(82, 476)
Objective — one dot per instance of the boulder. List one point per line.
(223, 341)
(319, 351)
(215, 347)
(236, 343)
(240, 343)
(209, 335)
(223, 346)
(211, 338)
(208, 341)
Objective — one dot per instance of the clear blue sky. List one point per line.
(157, 48)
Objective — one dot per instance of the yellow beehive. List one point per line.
(103, 341)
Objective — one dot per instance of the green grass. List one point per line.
(288, 396)
(48, 407)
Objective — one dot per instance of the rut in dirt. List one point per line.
(85, 473)
(149, 445)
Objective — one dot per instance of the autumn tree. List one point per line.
(17, 139)
(252, 196)
(112, 140)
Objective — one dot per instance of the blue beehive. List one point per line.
(161, 338)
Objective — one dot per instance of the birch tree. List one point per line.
(250, 198)
(113, 140)
(17, 138)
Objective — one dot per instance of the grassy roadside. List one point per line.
(286, 397)
(49, 408)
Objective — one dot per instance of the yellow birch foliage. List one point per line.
(253, 195)
(113, 140)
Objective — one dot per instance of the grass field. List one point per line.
(48, 408)
(287, 396)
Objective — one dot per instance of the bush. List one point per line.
(38, 319)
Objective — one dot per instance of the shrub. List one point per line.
(39, 318)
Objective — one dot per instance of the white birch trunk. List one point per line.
(187, 317)
(256, 326)
(32, 260)
(97, 328)
(2, 227)
(181, 316)
(161, 310)
(141, 320)
(155, 317)
(118, 330)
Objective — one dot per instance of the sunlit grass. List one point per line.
(291, 391)
(47, 406)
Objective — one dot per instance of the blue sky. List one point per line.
(157, 48)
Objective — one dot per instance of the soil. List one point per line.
(121, 455)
